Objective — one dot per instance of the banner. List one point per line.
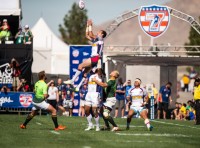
(16, 99)
(77, 55)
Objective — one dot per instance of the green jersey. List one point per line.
(111, 88)
(40, 89)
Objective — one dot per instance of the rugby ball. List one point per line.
(81, 4)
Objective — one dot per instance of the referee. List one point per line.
(197, 100)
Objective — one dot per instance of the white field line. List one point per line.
(174, 124)
(54, 132)
(157, 135)
(38, 123)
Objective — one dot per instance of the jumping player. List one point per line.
(97, 48)
(107, 107)
(39, 102)
(92, 99)
(139, 100)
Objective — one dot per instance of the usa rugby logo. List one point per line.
(25, 99)
(154, 20)
(75, 53)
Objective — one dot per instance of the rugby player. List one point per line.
(139, 100)
(92, 99)
(39, 102)
(97, 48)
(107, 107)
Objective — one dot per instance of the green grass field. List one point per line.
(40, 133)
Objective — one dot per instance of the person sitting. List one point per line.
(23, 86)
(4, 31)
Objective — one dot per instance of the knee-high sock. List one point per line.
(106, 122)
(55, 121)
(78, 72)
(79, 85)
(97, 121)
(128, 121)
(89, 119)
(28, 118)
(110, 119)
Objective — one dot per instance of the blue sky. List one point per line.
(100, 11)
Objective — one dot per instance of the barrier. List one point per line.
(16, 101)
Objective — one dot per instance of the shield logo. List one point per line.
(25, 99)
(154, 20)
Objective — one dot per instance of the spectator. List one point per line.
(165, 97)
(182, 112)
(127, 86)
(186, 81)
(197, 100)
(53, 94)
(5, 33)
(120, 98)
(68, 98)
(19, 36)
(193, 74)
(190, 111)
(83, 92)
(28, 35)
(16, 73)
(5, 89)
(175, 112)
(23, 86)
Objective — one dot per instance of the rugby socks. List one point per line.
(79, 85)
(106, 122)
(128, 122)
(55, 121)
(97, 121)
(78, 72)
(28, 118)
(110, 119)
(147, 122)
(89, 119)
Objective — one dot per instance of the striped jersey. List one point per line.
(97, 47)
(92, 86)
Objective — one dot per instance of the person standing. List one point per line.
(139, 100)
(19, 36)
(28, 36)
(53, 94)
(39, 102)
(120, 96)
(127, 86)
(197, 100)
(83, 92)
(164, 99)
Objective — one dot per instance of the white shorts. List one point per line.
(67, 103)
(137, 109)
(92, 99)
(82, 103)
(42, 105)
(110, 102)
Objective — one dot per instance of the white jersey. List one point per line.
(52, 93)
(137, 95)
(92, 86)
(97, 47)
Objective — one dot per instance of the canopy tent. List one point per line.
(49, 52)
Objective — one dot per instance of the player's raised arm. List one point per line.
(89, 33)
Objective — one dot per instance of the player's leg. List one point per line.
(117, 104)
(107, 126)
(84, 64)
(131, 112)
(144, 114)
(96, 117)
(54, 117)
(70, 108)
(89, 117)
(29, 117)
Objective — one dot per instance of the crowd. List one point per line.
(23, 36)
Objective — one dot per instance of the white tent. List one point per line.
(49, 52)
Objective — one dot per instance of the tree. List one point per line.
(194, 40)
(73, 31)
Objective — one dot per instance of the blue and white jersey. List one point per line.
(83, 91)
(137, 95)
(92, 86)
(97, 47)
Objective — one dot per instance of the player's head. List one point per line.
(115, 74)
(99, 71)
(42, 75)
(102, 34)
(137, 82)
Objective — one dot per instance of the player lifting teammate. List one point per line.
(110, 86)
(97, 48)
(139, 100)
